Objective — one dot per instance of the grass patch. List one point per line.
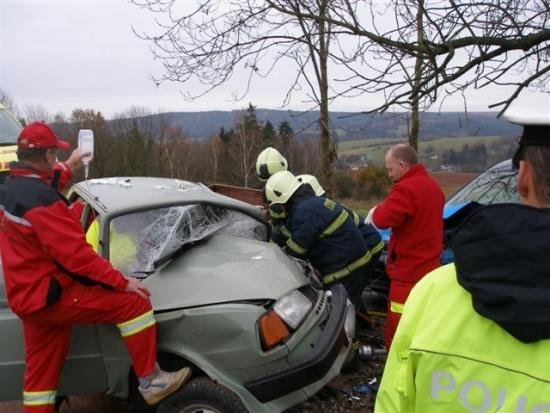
(375, 149)
(360, 206)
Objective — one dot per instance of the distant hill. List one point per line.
(352, 125)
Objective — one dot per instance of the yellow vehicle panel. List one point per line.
(7, 155)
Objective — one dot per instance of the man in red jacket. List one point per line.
(414, 212)
(55, 280)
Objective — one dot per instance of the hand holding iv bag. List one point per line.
(86, 144)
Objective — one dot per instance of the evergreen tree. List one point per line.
(269, 135)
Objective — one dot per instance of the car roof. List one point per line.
(119, 194)
(506, 165)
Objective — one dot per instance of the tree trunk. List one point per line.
(327, 151)
(415, 115)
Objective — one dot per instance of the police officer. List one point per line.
(475, 335)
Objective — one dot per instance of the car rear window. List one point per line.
(497, 185)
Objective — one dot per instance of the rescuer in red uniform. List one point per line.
(55, 280)
(414, 211)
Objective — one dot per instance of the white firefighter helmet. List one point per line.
(270, 161)
(313, 182)
(280, 187)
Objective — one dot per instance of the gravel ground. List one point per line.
(348, 393)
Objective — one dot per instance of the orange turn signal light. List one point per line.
(273, 330)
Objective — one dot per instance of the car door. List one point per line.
(12, 355)
(97, 356)
(84, 370)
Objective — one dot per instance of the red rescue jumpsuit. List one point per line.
(45, 259)
(414, 211)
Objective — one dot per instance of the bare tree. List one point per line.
(221, 37)
(467, 43)
(7, 100)
(215, 145)
(35, 112)
(414, 131)
(243, 147)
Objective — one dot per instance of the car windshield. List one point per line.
(9, 128)
(141, 241)
(496, 185)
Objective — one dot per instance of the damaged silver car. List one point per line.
(258, 332)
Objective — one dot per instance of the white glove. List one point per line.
(368, 219)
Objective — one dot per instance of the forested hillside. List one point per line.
(351, 125)
(144, 144)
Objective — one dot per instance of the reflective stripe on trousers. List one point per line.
(39, 398)
(137, 324)
(396, 307)
(48, 332)
(399, 292)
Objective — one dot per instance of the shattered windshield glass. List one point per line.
(141, 241)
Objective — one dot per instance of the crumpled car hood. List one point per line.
(222, 269)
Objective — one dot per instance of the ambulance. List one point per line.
(9, 130)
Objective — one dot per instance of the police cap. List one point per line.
(536, 131)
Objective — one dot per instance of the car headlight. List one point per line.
(292, 308)
(288, 312)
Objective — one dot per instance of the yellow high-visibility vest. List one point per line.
(447, 358)
(122, 247)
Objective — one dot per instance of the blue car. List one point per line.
(496, 185)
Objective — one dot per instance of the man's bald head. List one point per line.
(399, 159)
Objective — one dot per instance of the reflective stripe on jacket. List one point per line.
(323, 231)
(43, 245)
(280, 233)
(277, 219)
(447, 358)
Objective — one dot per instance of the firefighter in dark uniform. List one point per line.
(322, 231)
(268, 162)
(370, 233)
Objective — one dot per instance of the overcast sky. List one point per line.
(72, 54)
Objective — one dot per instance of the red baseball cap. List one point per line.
(38, 135)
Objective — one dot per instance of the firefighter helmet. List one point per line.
(270, 161)
(313, 182)
(280, 187)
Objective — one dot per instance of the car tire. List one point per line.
(202, 395)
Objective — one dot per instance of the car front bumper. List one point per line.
(316, 364)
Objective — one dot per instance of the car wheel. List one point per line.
(202, 395)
